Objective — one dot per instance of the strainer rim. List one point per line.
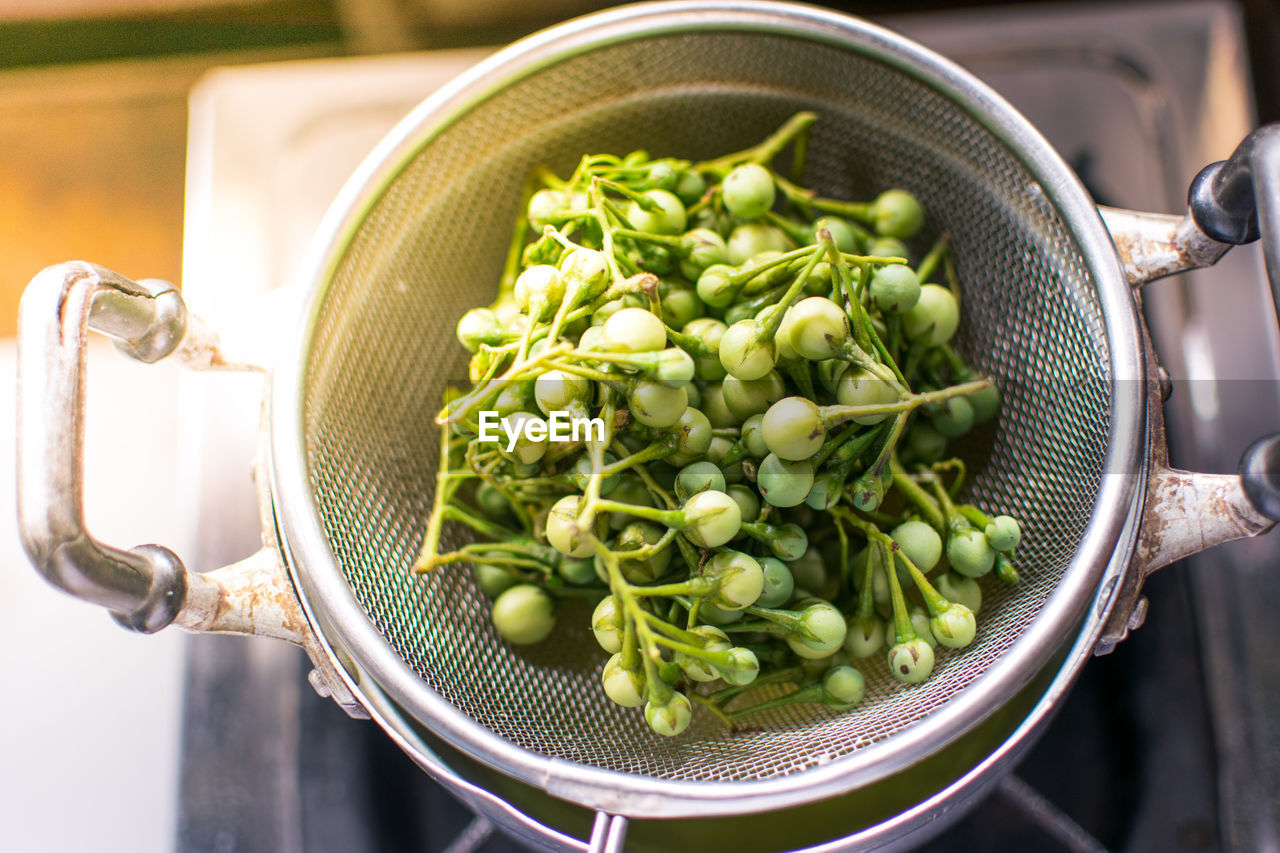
(349, 626)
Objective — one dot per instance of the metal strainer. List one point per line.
(419, 236)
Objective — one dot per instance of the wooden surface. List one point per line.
(92, 166)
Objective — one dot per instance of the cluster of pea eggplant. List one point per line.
(767, 493)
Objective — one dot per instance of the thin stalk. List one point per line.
(931, 260)
(917, 495)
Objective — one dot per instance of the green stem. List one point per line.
(595, 197)
(933, 600)
(917, 495)
(809, 693)
(769, 325)
(455, 512)
(956, 523)
(660, 449)
(904, 631)
(696, 587)
(460, 408)
(445, 488)
(975, 516)
(931, 260)
(867, 601)
(835, 415)
(715, 709)
(764, 151)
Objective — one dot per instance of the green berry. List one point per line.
(671, 717)
(1003, 533)
(821, 630)
(698, 477)
(970, 553)
(634, 330)
(563, 532)
(748, 503)
(748, 241)
(741, 579)
(896, 213)
(748, 191)
(779, 583)
(818, 328)
(523, 614)
(493, 580)
(712, 519)
(709, 331)
(546, 207)
(669, 217)
(589, 269)
(607, 626)
(846, 239)
(986, 403)
(857, 387)
(844, 685)
(935, 317)
(693, 428)
(714, 640)
(792, 428)
(623, 686)
(865, 636)
(656, 404)
(953, 418)
(539, 290)
(752, 438)
(714, 287)
(911, 662)
(744, 398)
(745, 353)
(960, 589)
(919, 542)
(895, 288)
(743, 667)
(782, 482)
(954, 627)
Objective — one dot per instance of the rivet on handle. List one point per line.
(1260, 475)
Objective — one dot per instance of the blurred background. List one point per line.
(93, 101)
(120, 144)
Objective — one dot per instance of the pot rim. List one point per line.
(917, 824)
(340, 618)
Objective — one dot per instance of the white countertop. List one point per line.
(90, 722)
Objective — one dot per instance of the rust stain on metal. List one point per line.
(1152, 246)
(1188, 512)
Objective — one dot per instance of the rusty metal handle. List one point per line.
(1230, 202)
(1237, 201)
(1184, 512)
(146, 588)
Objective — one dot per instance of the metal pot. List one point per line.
(345, 471)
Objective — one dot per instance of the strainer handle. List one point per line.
(608, 833)
(1236, 201)
(147, 587)
(144, 587)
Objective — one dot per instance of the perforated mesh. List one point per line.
(433, 246)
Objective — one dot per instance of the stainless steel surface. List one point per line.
(1128, 87)
(1046, 293)
(144, 587)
